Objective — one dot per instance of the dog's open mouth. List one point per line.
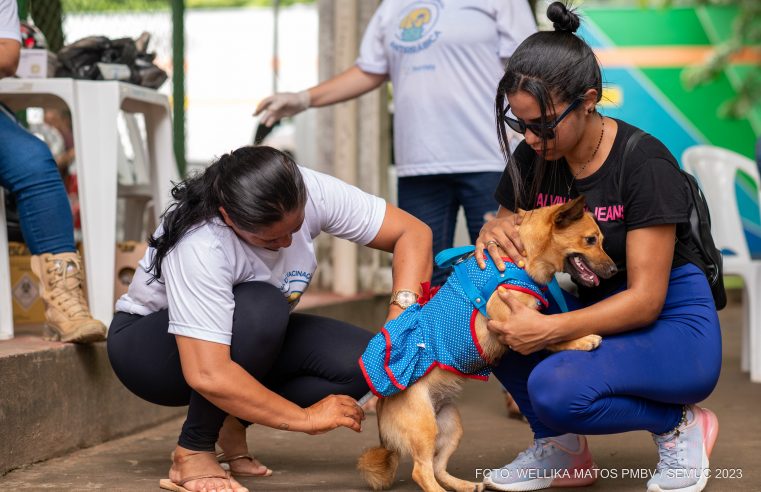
(578, 268)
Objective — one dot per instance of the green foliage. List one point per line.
(205, 4)
(153, 5)
(746, 33)
(114, 5)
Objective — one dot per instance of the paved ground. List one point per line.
(326, 462)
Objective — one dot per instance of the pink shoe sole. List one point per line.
(710, 424)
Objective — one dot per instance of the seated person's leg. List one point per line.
(29, 171)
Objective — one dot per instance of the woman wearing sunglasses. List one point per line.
(661, 349)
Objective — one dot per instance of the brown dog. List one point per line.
(422, 420)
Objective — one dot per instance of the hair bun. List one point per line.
(562, 18)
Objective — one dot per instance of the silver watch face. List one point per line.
(405, 298)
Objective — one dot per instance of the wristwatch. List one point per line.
(403, 298)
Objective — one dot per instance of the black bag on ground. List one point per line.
(700, 228)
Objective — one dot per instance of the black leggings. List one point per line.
(301, 357)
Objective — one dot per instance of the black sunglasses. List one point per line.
(543, 132)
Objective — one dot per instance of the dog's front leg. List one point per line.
(450, 432)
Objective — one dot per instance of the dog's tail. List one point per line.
(378, 467)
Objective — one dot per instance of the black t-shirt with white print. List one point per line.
(653, 193)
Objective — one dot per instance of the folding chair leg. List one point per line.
(754, 323)
(745, 326)
(6, 302)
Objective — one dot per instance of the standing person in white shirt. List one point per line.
(444, 58)
(207, 319)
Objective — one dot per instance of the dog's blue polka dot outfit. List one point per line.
(440, 333)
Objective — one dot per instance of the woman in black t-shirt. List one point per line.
(661, 349)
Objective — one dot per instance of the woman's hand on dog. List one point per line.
(500, 236)
(525, 331)
(332, 412)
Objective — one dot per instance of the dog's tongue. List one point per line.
(585, 272)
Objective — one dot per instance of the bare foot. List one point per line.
(232, 441)
(187, 463)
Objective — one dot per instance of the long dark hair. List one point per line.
(551, 66)
(257, 186)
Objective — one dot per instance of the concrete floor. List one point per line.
(327, 462)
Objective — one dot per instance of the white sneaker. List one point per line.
(683, 465)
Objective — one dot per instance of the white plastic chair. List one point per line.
(94, 107)
(6, 299)
(717, 171)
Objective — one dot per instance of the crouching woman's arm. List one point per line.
(411, 243)
(210, 371)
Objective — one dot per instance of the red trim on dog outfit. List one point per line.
(388, 359)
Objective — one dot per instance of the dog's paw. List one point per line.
(587, 343)
(470, 487)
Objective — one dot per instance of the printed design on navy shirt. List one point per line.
(601, 213)
(294, 284)
(416, 30)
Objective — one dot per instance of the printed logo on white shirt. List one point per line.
(417, 28)
(294, 284)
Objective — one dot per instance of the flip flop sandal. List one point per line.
(167, 484)
(243, 456)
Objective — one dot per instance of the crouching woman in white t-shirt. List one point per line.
(207, 320)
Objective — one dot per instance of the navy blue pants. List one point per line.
(437, 198)
(301, 357)
(28, 170)
(637, 380)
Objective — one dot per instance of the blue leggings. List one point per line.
(636, 380)
(28, 170)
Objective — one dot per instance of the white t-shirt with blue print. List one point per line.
(199, 273)
(444, 59)
(9, 22)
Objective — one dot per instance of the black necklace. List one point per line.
(573, 180)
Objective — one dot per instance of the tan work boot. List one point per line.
(68, 317)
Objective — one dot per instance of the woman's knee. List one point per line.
(35, 162)
(259, 302)
(260, 318)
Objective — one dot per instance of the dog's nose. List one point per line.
(612, 270)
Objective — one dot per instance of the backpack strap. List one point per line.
(632, 142)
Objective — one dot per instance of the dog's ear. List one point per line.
(569, 212)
